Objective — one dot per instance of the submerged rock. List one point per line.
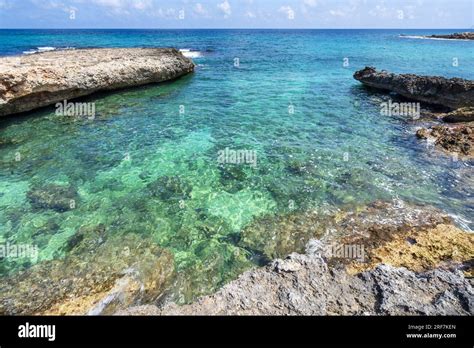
(322, 283)
(453, 93)
(232, 177)
(97, 276)
(166, 188)
(32, 81)
(279, 236)
(457, 139)
(56, 197)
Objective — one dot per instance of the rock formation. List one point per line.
(453, 93)
(456, 36)
(413, 264)
(37, 80)
(459, 115)
(454, 139)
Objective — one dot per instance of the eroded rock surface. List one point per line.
(434, 254)
(459, 115)
(453, 93)
(454, 139)
(33, 81)
(306, 285)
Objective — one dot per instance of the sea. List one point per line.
(271, 123)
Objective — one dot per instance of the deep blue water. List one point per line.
(335, 150)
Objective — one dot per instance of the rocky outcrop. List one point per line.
(37, 80)
(453, 93)
(454, 139)
(412, 263)
(456, 36)
(306, 285)
(459, 115)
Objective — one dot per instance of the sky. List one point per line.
(237, 14)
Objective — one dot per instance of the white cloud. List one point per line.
(200, 10)
(288, 11)
(142, 4)
(349, 10)
(123, 7)
(225, 8)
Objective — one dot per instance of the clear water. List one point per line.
(335, 150)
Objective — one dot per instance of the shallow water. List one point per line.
(335, 149)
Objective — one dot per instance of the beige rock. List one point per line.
(33, 81)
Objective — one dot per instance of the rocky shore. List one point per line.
(396, 259)
(453, 93)
(416, 262)
(33, 81)
(454, 139)
(456, 135)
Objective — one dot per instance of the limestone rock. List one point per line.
(453, 93)
(456, 139)
(33, 81)
(460, 115)
(314, 284)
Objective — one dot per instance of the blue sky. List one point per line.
(236, 13)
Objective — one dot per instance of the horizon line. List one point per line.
(235, 28)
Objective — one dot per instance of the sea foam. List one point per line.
(190, 53)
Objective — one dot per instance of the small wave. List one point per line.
(464, 223)
(190, 53)
(47, 49)
(429, 38)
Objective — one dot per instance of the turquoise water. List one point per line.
(142, 166)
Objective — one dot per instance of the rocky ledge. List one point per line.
(455, 36)
(414, 262)
(456, 94)
(453, 93)
(38, 80)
